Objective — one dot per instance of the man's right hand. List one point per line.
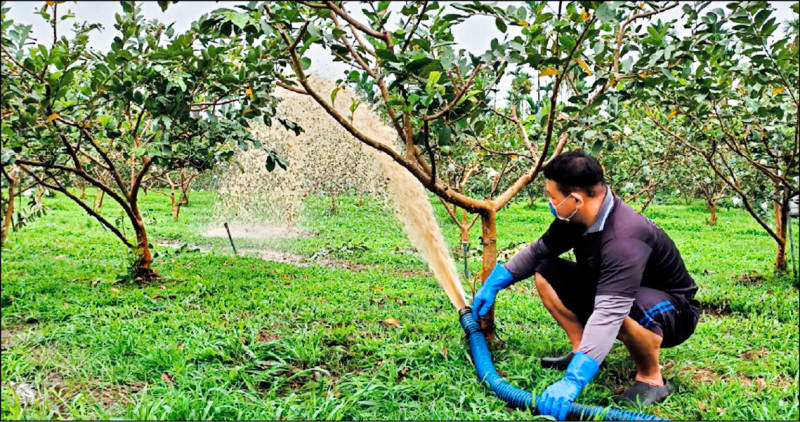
(498, 279)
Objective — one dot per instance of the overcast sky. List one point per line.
(474, 34)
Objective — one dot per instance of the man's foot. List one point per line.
(560, 363)
(644, 394)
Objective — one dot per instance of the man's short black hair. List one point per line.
(575, 170)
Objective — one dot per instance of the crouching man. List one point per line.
(628, 282)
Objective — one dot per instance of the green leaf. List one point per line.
(305, 62)
(433, 78)
(444, 135)
(240, 19)
(500, 25)
(606, 11)
(597, 146)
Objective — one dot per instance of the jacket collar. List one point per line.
(603, 213)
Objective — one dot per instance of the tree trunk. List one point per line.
(333, 209)
(175, 204)
(9, 210)
(489, 255)
(531, 198)
(186, 184)
(781, 212)
(142, 270)
(40, 190)
(647, 203)
(464, 227)
(712, 206)
(184, 196)
(98, 199)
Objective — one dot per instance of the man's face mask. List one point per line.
(554, 209)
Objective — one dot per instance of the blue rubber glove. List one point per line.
(557, 398)
(498, 279)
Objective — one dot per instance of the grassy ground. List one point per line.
(225, 337)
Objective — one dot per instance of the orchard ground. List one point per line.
(224, 337)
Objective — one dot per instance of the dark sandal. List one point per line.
(644, 394)
(561, 363)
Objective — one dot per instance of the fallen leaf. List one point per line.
(548, 72)
(584, 66)
(701, 406)
(167, 377)
(113, 290)
(324, 301)
(777, 91)
(402, 373)
(163, 287)
(377, 289)
(446, 353)
(392, 321)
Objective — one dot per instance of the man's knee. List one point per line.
(633, 332)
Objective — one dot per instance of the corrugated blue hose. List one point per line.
(522, 399)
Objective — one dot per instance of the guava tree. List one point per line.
(730, 91)
(153, 98)
(437, 97)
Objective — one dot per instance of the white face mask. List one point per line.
(554, 210)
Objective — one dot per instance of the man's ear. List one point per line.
(578, 199)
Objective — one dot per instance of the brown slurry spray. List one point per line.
(408, 197)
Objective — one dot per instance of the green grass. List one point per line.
(225, 337)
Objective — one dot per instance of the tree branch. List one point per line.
(453, 197)
(83, 205)
(460, 94)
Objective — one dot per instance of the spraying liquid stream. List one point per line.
(408, 197)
